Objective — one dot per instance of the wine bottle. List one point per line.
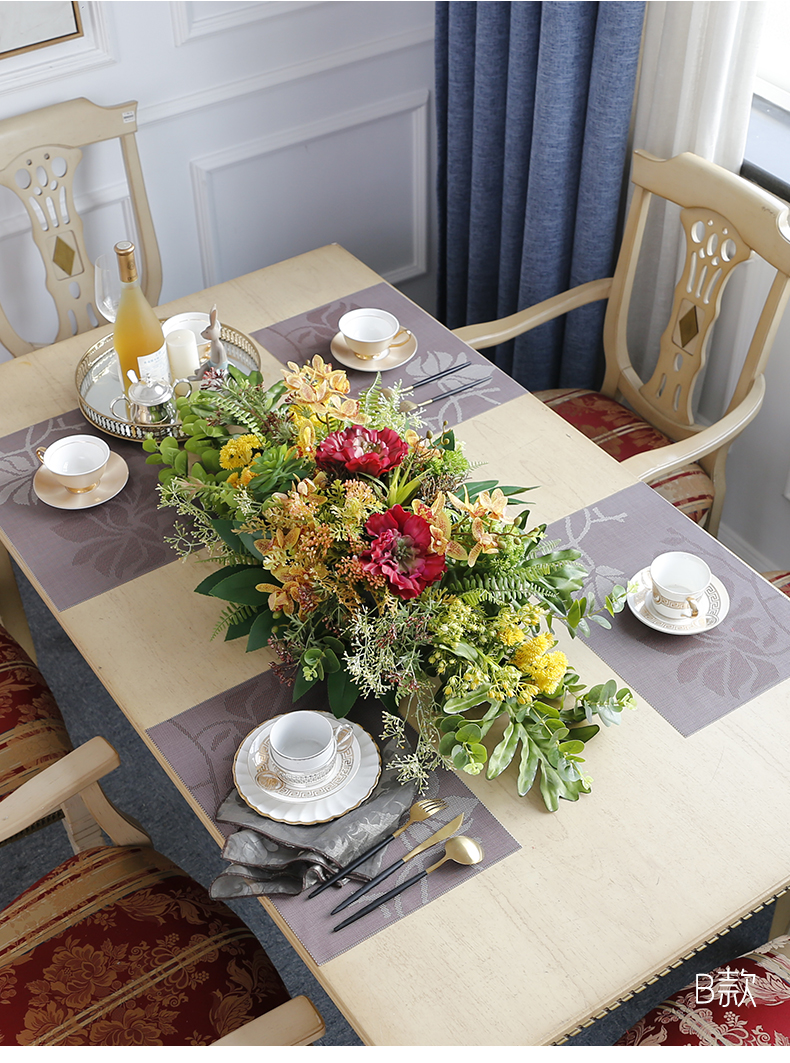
(137, 337)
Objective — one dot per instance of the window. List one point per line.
(767, 157)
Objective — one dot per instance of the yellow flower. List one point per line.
(241, 478)
(485, 505)
(548, 671)
(238, 451)
(321, 390)
(529, 652)
(511, 635)
(485, 542)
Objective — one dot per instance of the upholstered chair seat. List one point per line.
(32, 732)
(780, 580)
(745, 1003)
(118, 946)
(623, 433)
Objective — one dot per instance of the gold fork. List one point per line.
(419, 811)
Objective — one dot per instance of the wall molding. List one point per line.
(203, 168)
(196, 101)
(187, 27)
(89, 52)
(745, 551)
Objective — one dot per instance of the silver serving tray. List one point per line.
(98, 381)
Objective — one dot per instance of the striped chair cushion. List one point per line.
(118, 946)
(32, 732)
(780, 580)
(622, 433)
(746, 1003)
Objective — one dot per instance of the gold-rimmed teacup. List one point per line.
(76, 462)
(679, 581)
(370, 333)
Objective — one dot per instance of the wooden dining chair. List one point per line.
(745, 1003)
(650, 426)
(119, 946)
(40, 152)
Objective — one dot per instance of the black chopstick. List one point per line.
(438, 376)
(454, 391)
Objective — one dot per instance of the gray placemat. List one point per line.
(79, 554)
(200, 745)
(299, 338)
(691, 680)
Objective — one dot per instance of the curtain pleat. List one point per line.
(533, 107)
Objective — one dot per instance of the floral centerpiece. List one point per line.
(364, 554)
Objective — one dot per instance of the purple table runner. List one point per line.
(691, 680)
(299, 338)
(79, 554)
(200, 745)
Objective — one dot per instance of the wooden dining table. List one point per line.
(681, 836)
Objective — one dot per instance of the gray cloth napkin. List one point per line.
(265, 856)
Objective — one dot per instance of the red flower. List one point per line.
(361, 450)
(400, 551)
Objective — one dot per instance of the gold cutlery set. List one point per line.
(461, 849)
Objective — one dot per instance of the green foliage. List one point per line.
(300, 569)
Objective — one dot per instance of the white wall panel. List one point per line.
(235, 93)
(358, 179)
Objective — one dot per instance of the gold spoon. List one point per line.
(461, 849)
(419, 811)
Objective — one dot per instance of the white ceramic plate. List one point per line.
(640, 600)
(355, 789)
(54, 494)
(395, 357)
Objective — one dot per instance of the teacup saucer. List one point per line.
(395, 357)
(354, 789)
(714, 610)
(54, 494)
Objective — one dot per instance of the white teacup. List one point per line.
(370, 333)
(303, 747)
(76, 462)
(679, 584)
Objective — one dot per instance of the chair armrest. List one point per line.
(76, 774)
(294, 1023)
(653, 462)
(489, 333)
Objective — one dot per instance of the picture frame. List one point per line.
(25, 27)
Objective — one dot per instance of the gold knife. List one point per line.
(439, 836)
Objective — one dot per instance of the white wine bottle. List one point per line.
(137, 337)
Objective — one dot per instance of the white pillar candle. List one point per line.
(182, 351)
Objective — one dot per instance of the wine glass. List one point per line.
(107, 285)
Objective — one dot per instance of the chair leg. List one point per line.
(12, 612)
(781, 920)
(90, 814)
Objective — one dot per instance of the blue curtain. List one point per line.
(533, 105)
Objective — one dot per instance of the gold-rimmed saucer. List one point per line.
(320, 809)
(715, 607)
(395, 356)
(49, 491)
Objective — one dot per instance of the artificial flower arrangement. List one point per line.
(363, 554)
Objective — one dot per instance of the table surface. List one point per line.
(680, 837)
